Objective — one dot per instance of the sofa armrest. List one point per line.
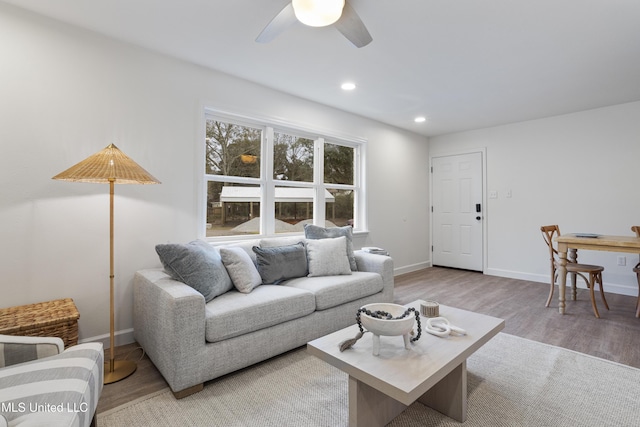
(18, 349)
(169, 323)
(381, 264)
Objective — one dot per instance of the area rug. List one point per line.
(512, 381)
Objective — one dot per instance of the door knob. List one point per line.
(478, 218)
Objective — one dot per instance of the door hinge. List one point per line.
(431, 248)
(431, 208)
(431, 169)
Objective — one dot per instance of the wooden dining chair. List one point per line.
(636, 269)
(549, 232)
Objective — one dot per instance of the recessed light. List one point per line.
(420, 119)
(348, 86)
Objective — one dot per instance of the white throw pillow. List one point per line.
(241, 269)
(328, 257)
(315, 232)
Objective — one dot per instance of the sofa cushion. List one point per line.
(241, 269)
(331, 291)
(196, 264)
(235, 313)
(328, 257)
(315, 232)
(280, 263)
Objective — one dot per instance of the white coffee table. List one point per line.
(433, 371)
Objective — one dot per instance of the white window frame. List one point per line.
(268, 184)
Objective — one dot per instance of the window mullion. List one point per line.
(268, 207)
(319, 201)
(359, 210)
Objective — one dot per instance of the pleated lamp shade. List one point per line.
(107, 165)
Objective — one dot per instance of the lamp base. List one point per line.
(121, 370)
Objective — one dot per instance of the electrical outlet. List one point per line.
(622, 261)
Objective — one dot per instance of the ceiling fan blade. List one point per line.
(278, 25)
(352, 27)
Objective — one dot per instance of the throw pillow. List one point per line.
(314, 232)
(242, 270)
(272, 242)
(196, 264)
(328, 257)
(276, 264)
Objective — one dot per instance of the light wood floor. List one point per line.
(521, 303)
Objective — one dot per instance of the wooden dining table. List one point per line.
(568, 245)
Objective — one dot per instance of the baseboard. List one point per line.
(411, 268)
(510, 274)
(609, 287)
(119, 337)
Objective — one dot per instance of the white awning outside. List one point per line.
(283, 194)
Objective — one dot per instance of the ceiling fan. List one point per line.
(319, 13)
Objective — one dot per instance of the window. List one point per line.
(266, 180)
(339, 179)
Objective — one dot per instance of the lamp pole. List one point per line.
(111, 279)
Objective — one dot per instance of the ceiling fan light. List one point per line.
(318, 13)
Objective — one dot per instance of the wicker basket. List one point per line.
(57, 318)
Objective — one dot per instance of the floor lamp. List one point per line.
(110, 166)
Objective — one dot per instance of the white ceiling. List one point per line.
(464, 64)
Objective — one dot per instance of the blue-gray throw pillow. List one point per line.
(196, 264)
(276, 264)
(315, 232)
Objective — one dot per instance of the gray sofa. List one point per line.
(192, 341)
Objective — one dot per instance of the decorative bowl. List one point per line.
(387, 327)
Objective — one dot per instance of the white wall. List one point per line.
(579, 171)
(67, 93)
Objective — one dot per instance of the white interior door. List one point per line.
(457, 211)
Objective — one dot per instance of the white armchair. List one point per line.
(43, 384)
